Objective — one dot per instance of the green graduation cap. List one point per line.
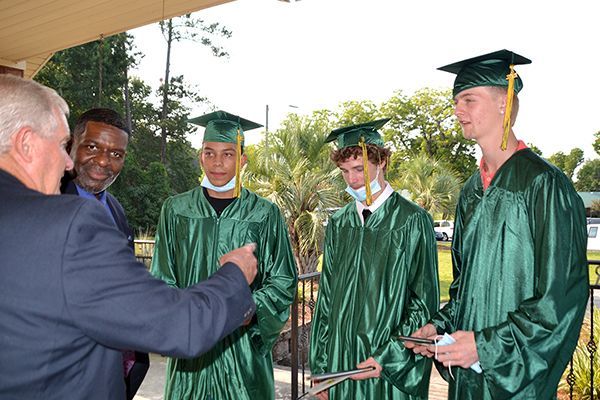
(222, 126)
(487, 70)
(349, 136)
(492, 69)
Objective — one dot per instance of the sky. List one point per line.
(315, 54)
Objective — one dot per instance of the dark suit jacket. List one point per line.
(72, 295)
(137, 373)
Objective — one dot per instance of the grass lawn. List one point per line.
(445, 268)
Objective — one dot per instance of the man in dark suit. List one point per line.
(71, 293)
(98, 149)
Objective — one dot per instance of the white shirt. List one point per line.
(385, 194)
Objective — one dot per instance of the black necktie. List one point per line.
(366, 212)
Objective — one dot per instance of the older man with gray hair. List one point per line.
(71, 293)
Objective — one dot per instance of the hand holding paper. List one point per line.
(459, 350)
(373, 371)
(427, 331)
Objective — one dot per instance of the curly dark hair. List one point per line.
(375, 154)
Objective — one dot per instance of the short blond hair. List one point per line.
(501, 91)
(24, 102)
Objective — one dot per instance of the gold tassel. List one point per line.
(365, 157)
(237, 190)
(509, 102)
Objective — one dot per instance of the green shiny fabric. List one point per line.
(189, 242)
(350, 136)
(520, 280)
(379, 281)
(223, 132)
(485, 73)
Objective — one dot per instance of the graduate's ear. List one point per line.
(501, 100)
(243, 160)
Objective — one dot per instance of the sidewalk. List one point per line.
(153, 385)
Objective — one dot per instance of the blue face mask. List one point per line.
(225, 188)
(360, 194)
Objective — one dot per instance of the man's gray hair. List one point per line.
(24, 102)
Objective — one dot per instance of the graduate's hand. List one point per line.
(427, 332)
(369, 362)
(463, 353)
(324, 395)
(244, 258)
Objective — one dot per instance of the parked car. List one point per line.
(445, 228)
(593, 242)
(439, 236)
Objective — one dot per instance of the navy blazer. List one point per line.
(72, 294)
(138, 371)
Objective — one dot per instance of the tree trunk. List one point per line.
(127, 95)
(163, 131)
(100, 60)
(127, 101)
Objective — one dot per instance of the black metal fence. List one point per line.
(303, 309)
(574, 379)
(303, 303)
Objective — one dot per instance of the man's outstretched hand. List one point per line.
(244, 258)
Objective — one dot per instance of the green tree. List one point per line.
(294, 172)
(567, 162)
(174, 30)
(424, 124)
(142, 191)
(535, 149)
(597, 142)
(431, 184)
(91, 75)
(143, 153)
(588, 177)
(357, 112)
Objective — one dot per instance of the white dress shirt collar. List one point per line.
(385, 194)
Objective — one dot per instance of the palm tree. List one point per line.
(295, 173)
(431, 184)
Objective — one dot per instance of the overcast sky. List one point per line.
(314, 54)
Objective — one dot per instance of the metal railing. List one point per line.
(300, 330)
(299, 348)
(591, 346)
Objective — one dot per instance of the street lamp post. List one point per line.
(267, 123)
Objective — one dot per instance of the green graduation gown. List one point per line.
(520, 280)
(379, 281)
(189, 242)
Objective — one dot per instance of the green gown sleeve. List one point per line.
(279, 281)
(542, 332)
(319, 329)
(401, 367)
(163, 261)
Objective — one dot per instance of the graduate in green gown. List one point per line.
(195, 229)
(379, 279)
(519, 252)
